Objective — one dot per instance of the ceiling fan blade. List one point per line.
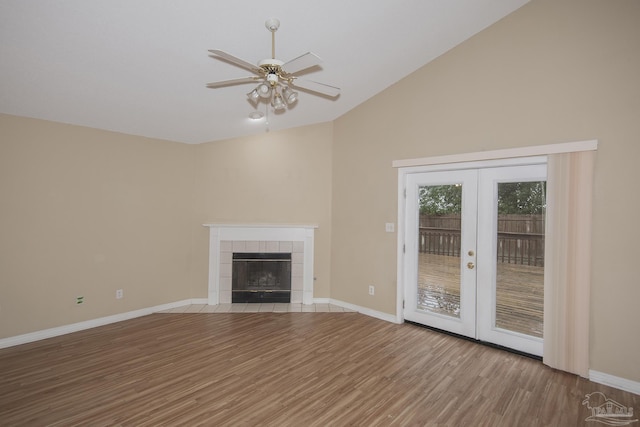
(240, 81)
(302, 62)
(322, 88)
(234, 60)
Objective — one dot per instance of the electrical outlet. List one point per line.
(372, 290)
(389, 227)
(119, 294)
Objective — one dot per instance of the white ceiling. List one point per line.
(140, 66)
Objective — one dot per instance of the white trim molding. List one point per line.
(93, 323)
(508, 153)
(613, 381)
(364, 310)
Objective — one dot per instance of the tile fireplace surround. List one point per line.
(224, 239)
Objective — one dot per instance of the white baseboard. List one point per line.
(613, 381)
(364, 310)
(88, 324)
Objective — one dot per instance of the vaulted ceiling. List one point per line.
(140, 66)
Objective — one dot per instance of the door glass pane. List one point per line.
(439, 249)
(520, 257)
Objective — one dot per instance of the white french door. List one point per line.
(440, 266)
(474, 252)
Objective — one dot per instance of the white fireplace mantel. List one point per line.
(260, 236)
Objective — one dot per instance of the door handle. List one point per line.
(470, 265)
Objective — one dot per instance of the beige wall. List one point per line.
(553, 71)
(81, 209)
(279, 177)
(84, 212)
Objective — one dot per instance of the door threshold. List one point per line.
(486, 343)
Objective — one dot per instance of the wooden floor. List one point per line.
(281, 369)
(519, 301)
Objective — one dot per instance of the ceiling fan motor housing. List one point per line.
(270, 64)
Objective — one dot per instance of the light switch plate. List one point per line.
(389, 227)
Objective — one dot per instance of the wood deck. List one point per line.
(519, 302)
(282, 369)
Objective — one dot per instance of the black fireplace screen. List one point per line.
(261, 277)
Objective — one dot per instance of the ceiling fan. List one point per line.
(276, 79)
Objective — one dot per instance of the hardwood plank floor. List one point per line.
(281, 369)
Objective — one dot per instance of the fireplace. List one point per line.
(227, 239)
(261, 277)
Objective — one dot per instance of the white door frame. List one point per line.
(403, 173)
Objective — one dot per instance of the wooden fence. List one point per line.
(520, 238)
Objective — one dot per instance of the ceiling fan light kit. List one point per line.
(253, 95)
(276, 79)
(264, 90)
(290, 96)
(277, 102)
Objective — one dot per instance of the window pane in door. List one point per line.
(439, 235)
(520, 257)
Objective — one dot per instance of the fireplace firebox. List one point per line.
(258, 277)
